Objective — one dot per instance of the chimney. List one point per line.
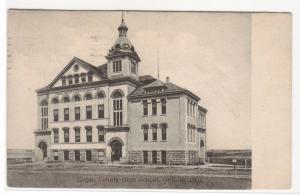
(167, 79)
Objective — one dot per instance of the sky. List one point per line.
(208, 53)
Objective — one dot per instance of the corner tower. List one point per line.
(122, 59)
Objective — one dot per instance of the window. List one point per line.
(77, 98)
(201, 143)
(88, 154)
(66, 99)
(83, 78)
(163, 157)
(101, 111)
(88, 96)
(44, 115)
(66, 114)
(70, 80)
(145, 157)
(163, 106)
(55, 155)
(154, 132)
(55, 101)
(77, 113)
(55, 115)
(101, 154)
(89, 112)
(164, 132)
(145, 131)
(90, 77)
(66, 154)
(77, 155)
(133, 68)
(76, 78)
(63, 81)
(154, 107)
(66, 135)
(154, 157)
(100, 95)
(145, 107)
(77, 134)
(100, 133)
(55, 135)
(117, 66)
(89, 134)
(117, 109)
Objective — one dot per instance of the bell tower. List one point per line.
(122, 59)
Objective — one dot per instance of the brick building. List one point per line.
(111, 113)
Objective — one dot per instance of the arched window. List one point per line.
(77, 98)
(117, 108)
(66, 99)
(44, 115)
(55, 100)
(145, 128)
(90, 76)
(100, 95)
(63, 81)
(201, 143)
(70, 79)
(76, 78)
(88, 96)
(83, 77)
(164, 127)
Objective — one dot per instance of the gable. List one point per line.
(75, 67)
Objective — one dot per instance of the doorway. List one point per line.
(43, 147)
(116, 150)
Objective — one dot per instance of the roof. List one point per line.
(146, 79)
(156, 83)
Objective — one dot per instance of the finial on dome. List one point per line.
(122, 28)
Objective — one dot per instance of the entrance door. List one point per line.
(116, 150)
(43, 147)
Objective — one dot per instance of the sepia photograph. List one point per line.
(129, 99)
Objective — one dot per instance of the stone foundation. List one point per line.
(95, 156)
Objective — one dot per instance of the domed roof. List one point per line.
(122, 41)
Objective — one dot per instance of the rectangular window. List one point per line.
(55, 155)
(90, 77)
(117, 66)
(76, 78)
(145, 157)
(89, 112)
(55, 115)
(66, 154)
(101, 111)
(89, 135)
(164, 133)
(88, 154)
(154, 107)
(63, 81)
(55, 135)
(145, 107)
(66, 135)
(163, 157)
(133, 68)
(77, 135)
(145, 134)
(77, 113)
(118, 114)
(154, 134)
(77, 155)
(83, 78)
(66, 114)
(70, 79)
(101, 135)
(154, 157)
(163, 106)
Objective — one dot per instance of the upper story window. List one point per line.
(77, 98)
(163, 106)
(55, 100)
(164, 127)
(100, 95)
(76, 78)
(89, 112)
(88, 96)
(55, 135)
(154, 107)
(66, 135)
(117, 66)
(66, 99)
(44, 114)
(77, 134)
(89, 137)
(145, 107)
(66, 114)
(201, 143)
(145, 128)
(117, 108)
(77, 113)
(101, 111)
(154, 132)
(90, 77)
(133, 68)
(83, 77)
(63, 81)
(101, 133)
(55, 115)
(70, 80)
